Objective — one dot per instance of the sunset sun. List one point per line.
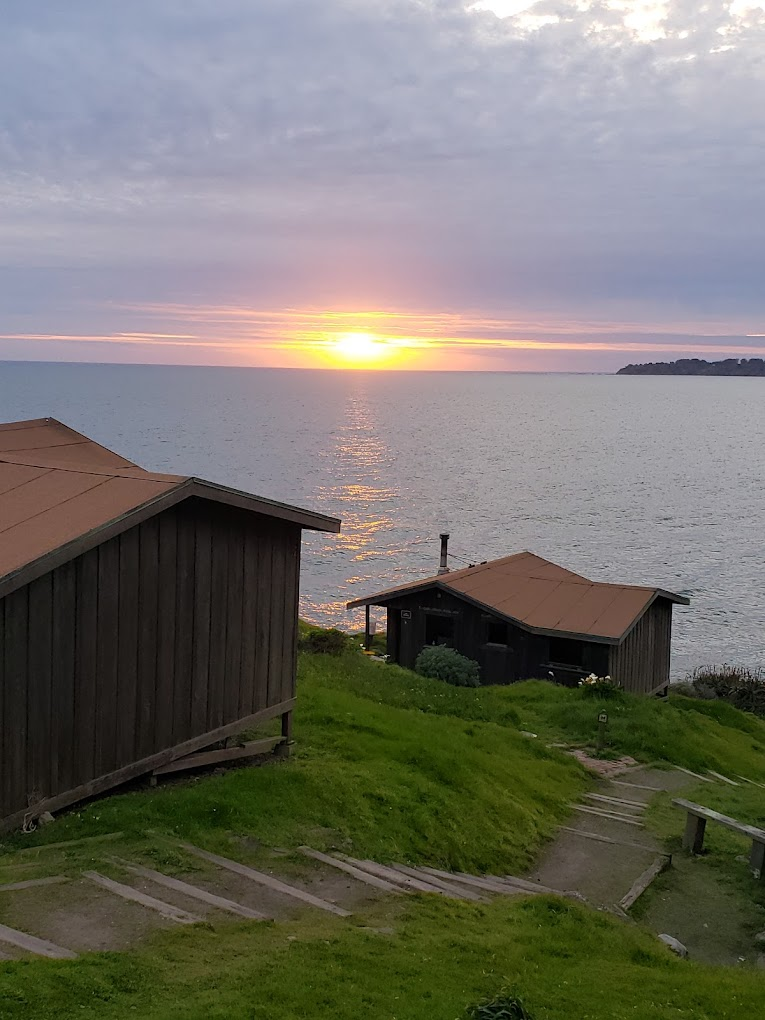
(358, 349)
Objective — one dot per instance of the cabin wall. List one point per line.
(176, 628)
(641, 662)
(520, 656)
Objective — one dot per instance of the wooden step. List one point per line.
(611, 815)
(266, 880)
(420, 884)
(30, 883)
(194, 892)
(616, 801)
(166, 910)
(31, 944)
(351, 869)
(450, 887)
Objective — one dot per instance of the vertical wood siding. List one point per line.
(181, 625)
(641, 662)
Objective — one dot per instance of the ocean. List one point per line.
(635, 480)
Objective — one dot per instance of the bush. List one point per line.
(504, 1008)
(599, 687)
(441, 663)
(325, 642)
(741, 687)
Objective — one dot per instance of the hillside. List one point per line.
(395, 767)
(698, 366)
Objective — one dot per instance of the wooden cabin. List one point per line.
(143, 616)
(522, 617)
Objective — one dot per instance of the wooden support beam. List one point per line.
(757, 859)
(693, 837)
(166, 910)
(31, 944)
(225, 754)
(367, 629)
(284, 749)
(267, 880)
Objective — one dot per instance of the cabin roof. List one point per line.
(540, 596)
(61, 494)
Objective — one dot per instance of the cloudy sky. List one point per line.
(408, 183)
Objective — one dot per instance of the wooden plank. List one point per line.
(185, 633)
(166, 910)
(107, 655)
(603, 799)
(450, 887)
(166, 622)
(216, 689)
(127, 670)
(148, 630)
(63, 733)
(235, 610)
(87, 688)
(704, 779)
(634, 786)
(276, 614)
(714, 816)
(723, 779)
(200, 667)
(40, 947)
(30, 883)
(421, 884)
(194, 892)
(607, 814)
(250, 610)
(351, 869)
(15, 651)
(607, 839)
(263, 622)
(642, 882)
(40, 690)
(124, 775)
(751, 781)
(67, 843)
(248, 750)
(490, 883)
(267, 880)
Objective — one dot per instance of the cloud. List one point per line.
(397, 152)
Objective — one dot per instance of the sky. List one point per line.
(444, 184)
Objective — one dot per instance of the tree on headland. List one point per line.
(698, 366)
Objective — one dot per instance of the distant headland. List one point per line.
(697, 366)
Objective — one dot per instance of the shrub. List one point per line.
(441, 663)
(741, 687)
(506, 1007)
(325, 642)
(599, 687)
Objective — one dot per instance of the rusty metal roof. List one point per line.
(61, 493)
(541, 596)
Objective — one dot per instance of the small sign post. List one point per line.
(602, 723)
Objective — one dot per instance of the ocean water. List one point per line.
(651, 480)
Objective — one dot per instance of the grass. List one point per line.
(419, 959)
(396, 767)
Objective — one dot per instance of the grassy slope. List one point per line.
(566, 962)
(394, 766)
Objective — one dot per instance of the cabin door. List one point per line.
(497, 666)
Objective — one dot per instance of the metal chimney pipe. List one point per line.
(443, 568)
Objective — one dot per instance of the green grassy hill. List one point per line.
(392, 766)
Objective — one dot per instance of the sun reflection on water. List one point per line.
(359, 462)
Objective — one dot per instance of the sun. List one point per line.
(358, 348)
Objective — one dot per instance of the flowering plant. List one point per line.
(594, 686)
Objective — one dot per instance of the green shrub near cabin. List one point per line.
(439, 662)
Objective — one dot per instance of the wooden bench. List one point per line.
(696, 823)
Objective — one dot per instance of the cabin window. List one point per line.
(439, 629)
(496, 632)
(566, 652)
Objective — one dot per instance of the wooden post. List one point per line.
(693, 837)
(757, 859)
(284, 750)
(367, 631)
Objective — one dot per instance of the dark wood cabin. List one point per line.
(523, 617)
(143, 617)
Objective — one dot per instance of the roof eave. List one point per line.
(268, 507)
